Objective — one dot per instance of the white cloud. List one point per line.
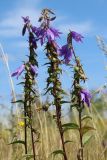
(83, 27)
(11, 26)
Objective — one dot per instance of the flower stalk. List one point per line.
(54, 72)
(30, 93)
(79, 97)
(47, 34)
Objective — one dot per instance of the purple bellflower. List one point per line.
(76, 36)
(85, 97)
(67, 52)
(19, 70)
(46, 33)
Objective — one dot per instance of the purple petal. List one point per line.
(68, 56)
(76, 36)
(82, 97)
(18, 71)
(50, 35)
(85, 96)
(63, 50)
(55, 32)
(34, 29)
(26, 19)
(67, 52)
(43, 33)
(34, 69)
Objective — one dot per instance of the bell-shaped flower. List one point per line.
(76, 36)
(18, 71)
(49, 34)
(67, 52)
(85, 96)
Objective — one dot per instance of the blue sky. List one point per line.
(84, 16)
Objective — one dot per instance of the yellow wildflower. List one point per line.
(21, 123)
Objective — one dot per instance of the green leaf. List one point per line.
(57, 152)
(65, 102)
(17, 141)
(86, 139)
(18, 101)
(85, 129)
(86, 117)
(49, 89)
(68, 126)
(46, 63)
(21, 83)
(67, 141)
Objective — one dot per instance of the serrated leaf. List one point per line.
(17, 141)
(68, 126)
(86, 117)
(67, 141)
(57, 152)
(85, 129)
(86, 139)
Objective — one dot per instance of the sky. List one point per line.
(84, 16)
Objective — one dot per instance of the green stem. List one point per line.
(80, 133)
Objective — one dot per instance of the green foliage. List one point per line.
(86, 139)
(68, 126)
(18, 141)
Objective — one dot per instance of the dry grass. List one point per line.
(49, 140)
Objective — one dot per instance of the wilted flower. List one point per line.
(26, 19)
(46, 33)
(18, 71)
(76, 36)
(85, 96)
(67, 52)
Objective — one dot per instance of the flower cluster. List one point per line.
(45, 34)
(67, 50)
